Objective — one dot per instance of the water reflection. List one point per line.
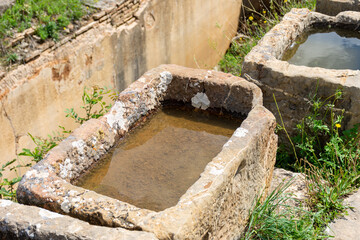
(331, 49)
(154, 166)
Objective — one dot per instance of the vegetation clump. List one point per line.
(48, 16)
(253, 26)
(94, 106)
(49, 20)
(327, 154)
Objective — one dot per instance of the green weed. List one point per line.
(43, 146)
(7, 186)
(253, 27)
(275, 219)
(322, 150)
(328, 155)
(50, 16)
(11, 58)
(94, 106)
(91, 98)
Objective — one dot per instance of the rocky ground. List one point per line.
(348, 226)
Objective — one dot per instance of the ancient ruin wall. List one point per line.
(121, 43)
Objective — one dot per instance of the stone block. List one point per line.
(41, 224)
(216, 205)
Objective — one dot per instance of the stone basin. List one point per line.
(215, 206)
(334, 7)
(294, 85)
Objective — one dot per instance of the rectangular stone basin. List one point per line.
(294, 85)
(214, 205)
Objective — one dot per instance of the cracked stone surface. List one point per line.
(215, 206)
(27, 222)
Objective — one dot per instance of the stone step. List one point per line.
(19, 221)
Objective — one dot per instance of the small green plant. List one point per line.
(48, 30)
(94, 106)
(11, 58)
(7, 186)
(327, 189)
(273, 218)
(43, 146)
(320, 140)
(327, 155)
(91, 98)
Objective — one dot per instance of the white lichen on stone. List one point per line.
(30, 233)
(75, 228)
(188, 203)
(200, 100)
(75, 202)
(215, 171)
(116, 118)
(79, 145)
(37, 174)
(142, 79)
(65, 205)
(240, 132)
(151, 102)
(5, 203)
(65, 169)
(165, 80)
(72, 193)
(93, 140)
(45, 214)
(227, 144)
(38, 226)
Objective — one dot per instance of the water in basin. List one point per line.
(154, 165)
(326, 48)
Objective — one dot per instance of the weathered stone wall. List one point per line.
(216, 205)
(334, 7)
(120, 44)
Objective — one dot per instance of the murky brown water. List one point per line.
(326, 48)
(155, 164)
